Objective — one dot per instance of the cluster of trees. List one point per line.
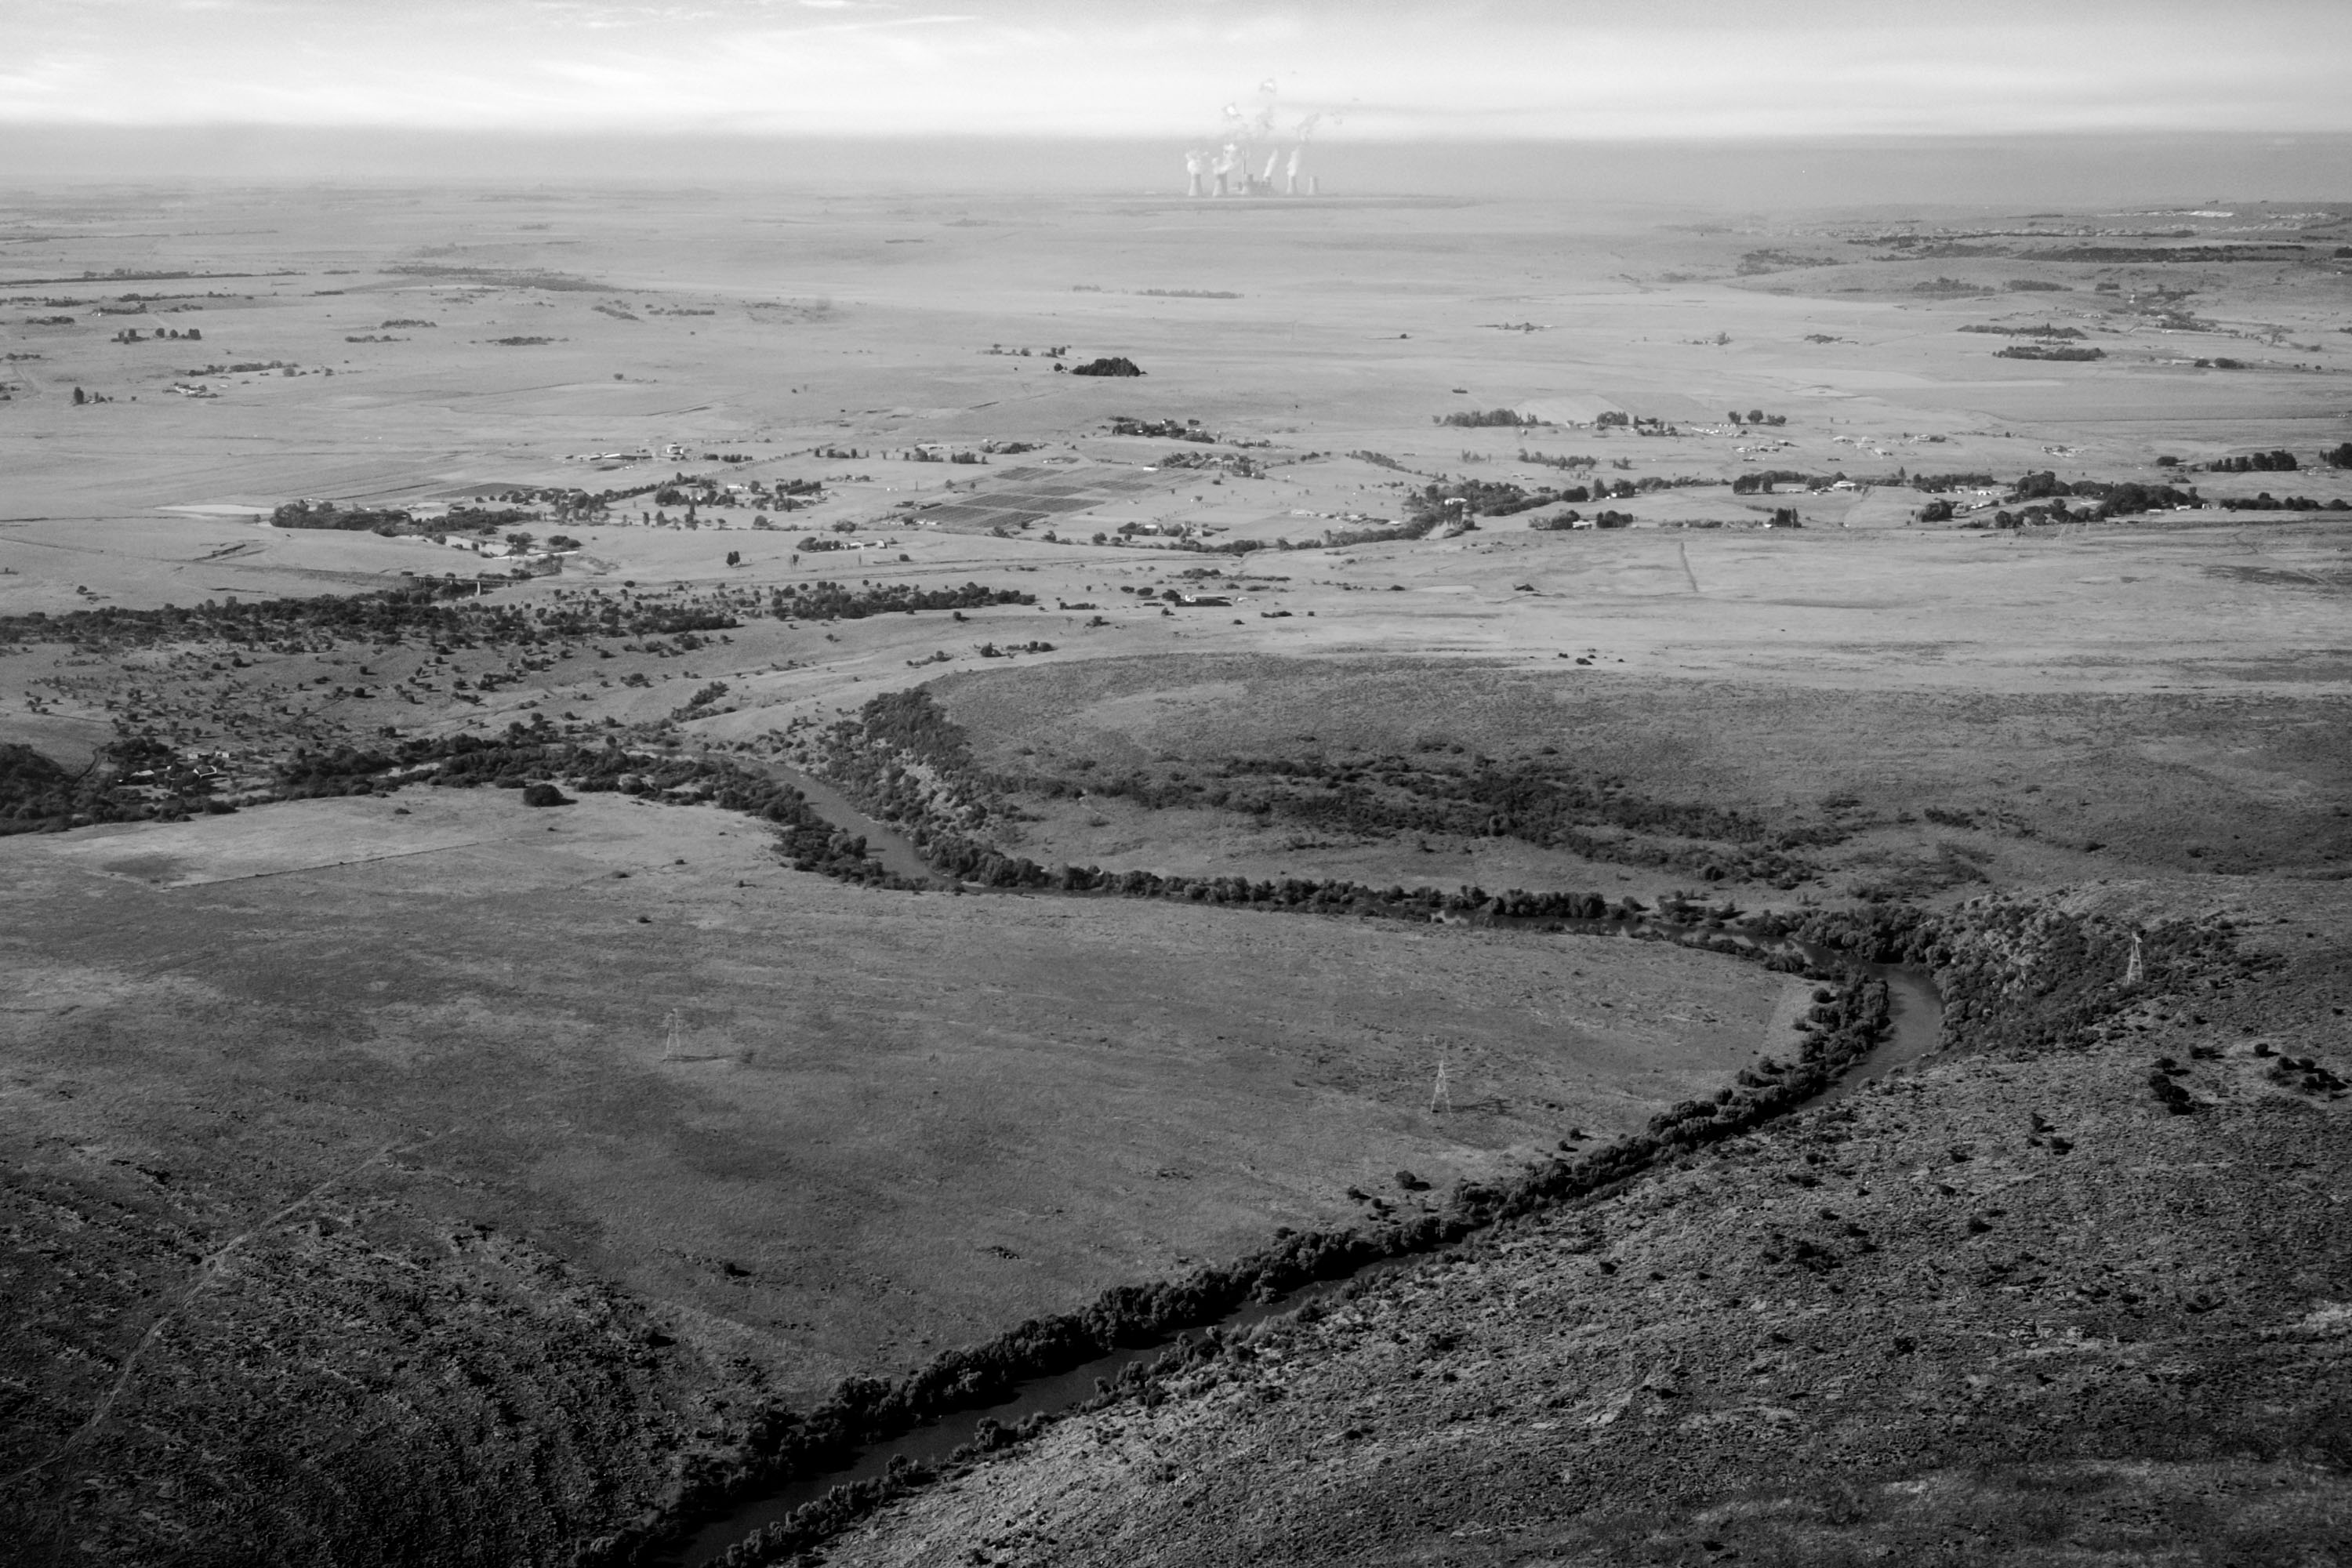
(1756, 416)
(1162, 429)
(1546, 461)
(1760, 482)
(534, 754)
(2338, 456)
(2041, 332)
(824, 601)
(137, 778)
(1116, 364)
(393, 520)
(442, 609)
(1561, 522)
(1241, 464)
(1432, 504)
(2268, 502)
(1487, 418)
(2273, 462)
(903, 760)
(2124, 499)
(2043, 352)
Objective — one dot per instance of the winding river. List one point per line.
(1917, 1025)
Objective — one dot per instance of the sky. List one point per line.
(1367, 70)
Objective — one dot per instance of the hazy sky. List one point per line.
(1378, 68)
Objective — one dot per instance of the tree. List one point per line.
(1756, 416)
(78, 398)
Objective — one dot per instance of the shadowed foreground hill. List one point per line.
(2013, 1308)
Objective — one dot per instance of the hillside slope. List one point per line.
(2011, 1307)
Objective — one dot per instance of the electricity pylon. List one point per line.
(2134, 973)
(673, 1042)
(1441, 1094)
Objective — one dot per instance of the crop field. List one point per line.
(464, 1107)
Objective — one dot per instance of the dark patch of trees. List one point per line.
(1434, 504)
(2038, 350)
(137, 778)
(1546, 461)
(1162, 429)
(2273, 462)
(1116, 364)
(470, 519)
(838, 602)
(2113, 499)
(2113, 254)
(535, 755)
(2041, 331)
(904, 761)
(442, 609)
(2269, 502)
(326, 514)
(1488, 419)
(1762, 481)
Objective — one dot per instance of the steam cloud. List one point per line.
(1224, 167)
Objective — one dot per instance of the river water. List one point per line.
(886, 844)
(1917, 1025)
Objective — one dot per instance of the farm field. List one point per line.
(404, 1173)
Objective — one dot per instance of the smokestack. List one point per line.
(1290, 187)
(1192, 169)
(1271, 159)
(1314, 186)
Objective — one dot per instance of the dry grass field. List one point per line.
(359, 1210)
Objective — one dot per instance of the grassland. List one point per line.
(359, 1210)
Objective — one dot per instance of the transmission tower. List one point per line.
(2133, 970)
(1440, 1093)
(674, 1041)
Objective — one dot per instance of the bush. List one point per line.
(545, 794)
(1118, 365)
